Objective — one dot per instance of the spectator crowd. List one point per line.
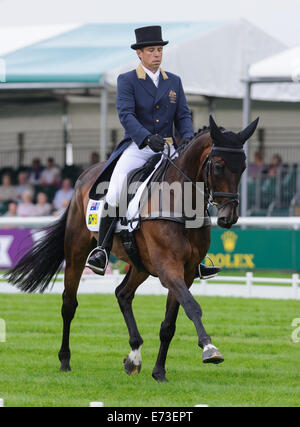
(259, 167)
(47, 190)
(36, 191)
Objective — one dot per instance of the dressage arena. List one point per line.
(255, 327)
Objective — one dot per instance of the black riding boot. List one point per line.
(98, 258)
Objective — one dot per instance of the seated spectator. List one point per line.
(35, 172)
(42, 207)
(12, 210)
(51, 174)
(7, 190)
(60, 212)
(23, 185)
(94, 159)
(257, 167)
(275, 166)
(26, 207)
(64, 194)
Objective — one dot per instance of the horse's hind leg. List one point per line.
(125, 294)
(77, 250)
(167, 332)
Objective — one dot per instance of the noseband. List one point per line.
(212, 195)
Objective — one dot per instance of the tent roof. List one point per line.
(211, 58)
(84, 54)
(285, 66)
(215, 62)
(13, 38)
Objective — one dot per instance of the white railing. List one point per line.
(265, 222)
(243, 286)
(246, 286)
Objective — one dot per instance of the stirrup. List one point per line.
(95, 269)
(207, 277)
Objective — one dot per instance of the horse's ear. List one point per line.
(214, 129)
(245, 134)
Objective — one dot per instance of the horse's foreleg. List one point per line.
(167, 332)
(125, 294)
(176, 284)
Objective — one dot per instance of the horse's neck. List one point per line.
(192, 159)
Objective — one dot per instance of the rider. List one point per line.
(149, 102)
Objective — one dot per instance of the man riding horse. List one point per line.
(150, 103)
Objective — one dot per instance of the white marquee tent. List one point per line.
(282, 67)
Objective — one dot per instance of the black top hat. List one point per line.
(148, 36)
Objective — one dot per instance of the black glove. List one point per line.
(155, 142)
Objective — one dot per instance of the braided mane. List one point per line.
(200, 132)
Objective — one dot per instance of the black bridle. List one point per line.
(212, 195)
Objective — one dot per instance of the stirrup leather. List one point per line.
(100, 271)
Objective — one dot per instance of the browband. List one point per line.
(229, 150)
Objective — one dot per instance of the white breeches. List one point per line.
(130, 159)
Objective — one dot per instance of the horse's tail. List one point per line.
(36, 269)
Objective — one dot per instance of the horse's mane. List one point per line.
(205, 129)
(201, 131)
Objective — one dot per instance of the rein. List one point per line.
(167, 156)
(210, 194)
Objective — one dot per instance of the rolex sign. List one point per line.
(255, 249)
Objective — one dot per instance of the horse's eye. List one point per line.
(218, 168)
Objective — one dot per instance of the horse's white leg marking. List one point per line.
(136, 356)
(209, 347)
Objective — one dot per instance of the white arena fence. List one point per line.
(246, 286)
(292, 222)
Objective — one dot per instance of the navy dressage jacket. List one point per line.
(145, 109)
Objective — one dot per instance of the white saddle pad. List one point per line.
(95, 208)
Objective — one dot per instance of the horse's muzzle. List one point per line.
(224, 223)
(227, 218)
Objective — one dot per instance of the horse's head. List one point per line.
(224, 167)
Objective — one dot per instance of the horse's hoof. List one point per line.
(131, 368)
(160, 377)
(212, 355)
(65, 367)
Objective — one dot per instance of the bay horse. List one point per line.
(168, 250)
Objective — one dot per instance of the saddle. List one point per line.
(138, 175)
(138, 180)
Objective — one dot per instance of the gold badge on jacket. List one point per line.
(172, 96)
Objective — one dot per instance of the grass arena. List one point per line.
(261, 365)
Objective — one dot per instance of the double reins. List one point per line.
(210, 194)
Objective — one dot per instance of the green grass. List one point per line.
(261, 368)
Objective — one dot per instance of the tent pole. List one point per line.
(68, 146)
(246, 121)
(103, 122)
